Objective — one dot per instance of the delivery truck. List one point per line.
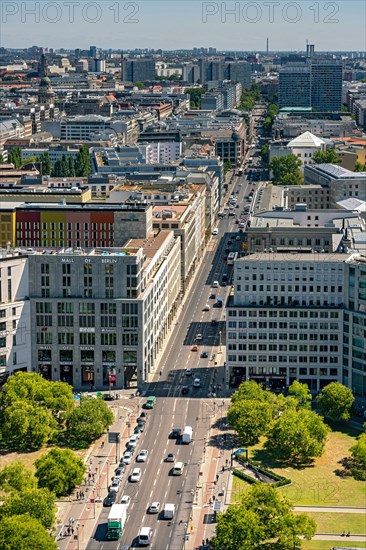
(168, 511)
(187, 435)
(116, 521)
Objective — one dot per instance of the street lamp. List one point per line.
(220, 340)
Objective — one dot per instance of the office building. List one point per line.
(238, 71)
(285, 320)
(326, 84)
(138, 70)
(101, 317)
(98, 65)
(294, 86)
(211, 69)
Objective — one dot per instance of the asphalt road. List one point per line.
(174, 409)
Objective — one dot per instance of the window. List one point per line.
(87, 338)
(66, 338)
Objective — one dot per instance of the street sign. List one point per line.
(113, 437)
(240, 451)
(217, 506)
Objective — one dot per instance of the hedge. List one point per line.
(280, 480)
(245, 477)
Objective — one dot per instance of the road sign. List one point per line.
(239, 452)
(113, 437)
(217, 506)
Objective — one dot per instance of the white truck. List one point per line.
(168, 511)
(187, 435)
(116, 521)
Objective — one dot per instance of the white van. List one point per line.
(215, 284)
(168, 511)
(178, 469)
(145, 536)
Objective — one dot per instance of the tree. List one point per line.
(87, 422)
(252, 411)
(64, 166)
(16, 477)
(57, 169)
(301, 393)
(139, 85)
(297, 436)
(46, 163)
(263, 519)
(336, 401)
(38, 503)
(227, 166)
(24, 533)
(15, 157)
(26, 426)
(286, 170)
(264, 153)
(59, 471)
(329, 156)
(2, 161)
(71, 167)
(357, 464)
(83, 164)
(359, 167)
(195, 96)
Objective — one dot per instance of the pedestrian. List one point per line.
(91, 461)
(72, 530)
(217, 478)
(68, 531)
(102, 445)
(223, 468)
(77, 495)
(207, 541)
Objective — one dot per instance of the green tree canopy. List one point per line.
(83, 164)
(26, 426)
(301, 393)
(263, 519)
(358, 462)
(38, 503)
(359, 167)
(139, 85)
(195, 96)
(2, 161)
(264, 153)
(336, 401)
(329, 156)
(16, 477)
(297, 436)
(286, 170)
(24, 533)
(87, 422)
(45, 161)
(60, 471)
(15, 157)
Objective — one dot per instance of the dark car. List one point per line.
(108, 397)
(176, 432)
(212, 296)
(185, 390)
(204, 354)
(230, 241)
(141, 426)
(213, 322)
(110, 499)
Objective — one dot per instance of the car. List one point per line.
(127, 457)
(110, 499)
(133, 441)
(224, 258)
(141, 426)
(197, 382)
(115, 486)
(212, 296)
(237, 238)
(225, 277)
(230, 241)
(206, 308)
(136, 475)
(199, 336)
(175, 433)
(118, 474)
(108, 397)
(170, 457)
(194, 348)
(185, 390)
(215, 231)
(137, 431)
(142, 456)
(126, 500)
(204, 355)
(189, 372)
(154, 508)
(223, 283)
(213, 322)
(141, 419)
(237, 206)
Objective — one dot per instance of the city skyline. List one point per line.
(334, 26)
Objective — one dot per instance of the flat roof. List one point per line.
(297, 257)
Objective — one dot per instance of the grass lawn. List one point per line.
(316, 484)
(328, 523)
(328, 544)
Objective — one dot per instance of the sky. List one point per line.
(175, 24)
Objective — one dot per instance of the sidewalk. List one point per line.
(214, 486)
(79, 517)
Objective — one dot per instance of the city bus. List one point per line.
(231, 258)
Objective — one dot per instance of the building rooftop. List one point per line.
(336, 172)
(296, 257)
(307, 139)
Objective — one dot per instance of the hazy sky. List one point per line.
(173, 24)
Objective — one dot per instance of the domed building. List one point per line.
(46, 94)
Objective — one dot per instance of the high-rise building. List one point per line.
(93, 51)
(43, 67)
(238, 71)
(98, 65)
(211, 69)
(138, 70)
(326, 84)
(294, 86)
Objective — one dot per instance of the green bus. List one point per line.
(150, 403)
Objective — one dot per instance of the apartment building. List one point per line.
(85, 127)
(15, 319)
(285, 319)
(100, 317)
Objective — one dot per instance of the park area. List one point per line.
(319, 485)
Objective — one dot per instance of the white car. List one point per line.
(199, 336)
(133, 441)
(126, 500)
(215, 231)
(127, 457)
(142, 456)
(115, 486)
(154, 508)
(189, 372)
(197, 382)
(118, 474)
(206, 308)
(136, 475)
